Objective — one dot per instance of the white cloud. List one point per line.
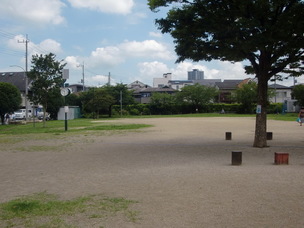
(45, 47)
(155, 34)
(105, 6)
(39, 12)
(114, 55)
(49, 45)
(146, 48)
(150, 70)
(72, 62)
(109, 56)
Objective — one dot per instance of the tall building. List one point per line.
(195, 74)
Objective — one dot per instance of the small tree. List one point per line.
(97, 101)
(246, 95)
(162, 103)
(117, 92)
(298, 94)
(46, 77)
(197, 95)
(10, 99)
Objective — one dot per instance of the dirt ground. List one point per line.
(179, 171)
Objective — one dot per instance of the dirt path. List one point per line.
(179, 171)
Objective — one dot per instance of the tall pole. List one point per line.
(26, 41)
(120, 103)
(83, 76)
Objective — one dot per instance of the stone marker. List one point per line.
(281, 158)
(228, 135)
(236, 158)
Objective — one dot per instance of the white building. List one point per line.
(162, 82)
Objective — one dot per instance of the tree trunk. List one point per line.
(44, 115)
(260, 139)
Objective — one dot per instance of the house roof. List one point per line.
(207, 82)
(137, 84)
(15, 78)
(278, 86)
(180, 81)
(229, 84)
(155, 90)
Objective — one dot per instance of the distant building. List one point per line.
(162, 82)
(195, 74)
(227, 87)
(179, 84)
(208, 82)
(144, 95)
(137, 85)
(282, 93)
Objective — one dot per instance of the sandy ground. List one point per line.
(179, 171)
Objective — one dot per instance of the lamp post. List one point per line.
(26, 91)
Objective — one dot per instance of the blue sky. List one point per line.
(116, 36)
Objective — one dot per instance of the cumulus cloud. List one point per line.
(44, 47)
(155, 34)
(146, 48)
(105, 6)
(114, 55)
(39, 12)
(215, 70)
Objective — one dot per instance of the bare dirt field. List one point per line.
(179, 171)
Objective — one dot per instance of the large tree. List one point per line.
(10, 99)
(267, 34)
(46, 77)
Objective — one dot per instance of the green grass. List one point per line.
(74, 126)
(46, 210)
(86, 125)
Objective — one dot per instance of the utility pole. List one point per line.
(109, 79)
(26, 41)
(82, 65)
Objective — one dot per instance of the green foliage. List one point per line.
(97, 101)
(254, 30)
(46, 77)
(197, 96)
(75, 126)
(269, 34)
(298, 94)
(246, 95)
(10, 99)
(120, 90)
(162, 103)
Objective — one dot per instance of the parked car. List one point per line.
(21, 114)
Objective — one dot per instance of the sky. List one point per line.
(102, 37)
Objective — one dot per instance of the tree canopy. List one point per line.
(197, 95)
(10, 99)
(267, 34)
(46, 77)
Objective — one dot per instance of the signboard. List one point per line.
(259, 109)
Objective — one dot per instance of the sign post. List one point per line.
(66, 110)
(65, 92)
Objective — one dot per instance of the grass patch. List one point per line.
(74, 126)
(46, 210)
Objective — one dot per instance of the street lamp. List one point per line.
(26, 91)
